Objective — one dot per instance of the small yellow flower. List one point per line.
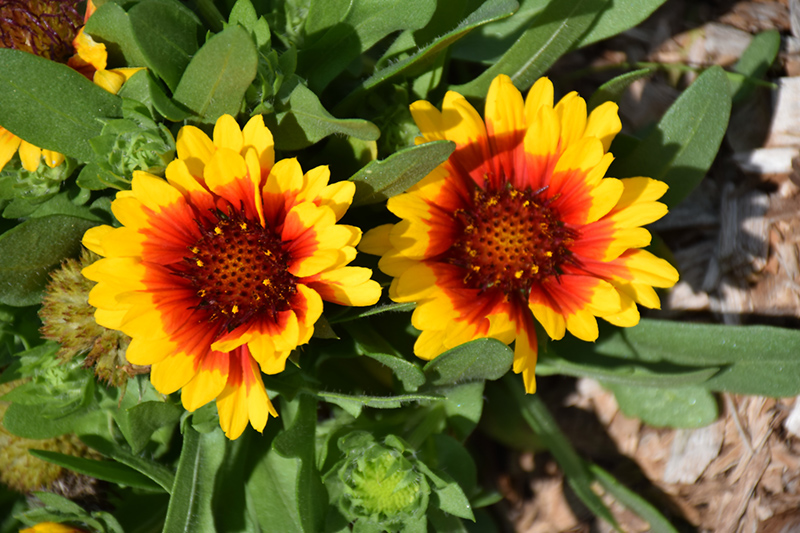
(222, 268)
(520, 223)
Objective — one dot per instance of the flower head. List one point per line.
(222, 268)
(520, 222)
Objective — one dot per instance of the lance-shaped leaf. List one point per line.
(553, 32)
(60, 116)
(611, 91)
(681, 148)
(758, 360)
(354, 404)
(488, 11)
(29, 251)
(355, 31)
(379, 180)
(301, 120)
(190, 504)
(680, 407)
(110, 471)
(166, 34)
(475, 360)
(111, 26)
(218, 75)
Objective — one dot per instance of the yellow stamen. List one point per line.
(217, 230)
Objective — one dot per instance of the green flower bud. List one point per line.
(377, 483)
(68, 319)
(39, 185)
(134, 142)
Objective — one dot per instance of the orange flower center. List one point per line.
(45, 28)
(510, 240)
(239, 270)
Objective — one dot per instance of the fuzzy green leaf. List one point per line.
(611, 91)
(618, 17)
(60, 116)
(155, 471)
(302, 120)
(140, 421)
(190, 504)
(475, 360)
(166, 34)
(340, 33)
(111, 26)
(681, 148)
(29, 251)
(110, 471)
(218, 75)
(380, 180)
(754, 62)
(683, 407)
(553, 32)
(759, 360)
(489, 11)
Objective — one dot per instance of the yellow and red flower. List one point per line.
(51, 30)
(520, 223)
(222, 268)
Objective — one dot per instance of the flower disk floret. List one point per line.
(219, 272)
(521, 223)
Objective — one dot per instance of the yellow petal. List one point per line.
(172, 373)
(30, 156)
(206, 385)
(540, 95)
(146, 352)
(376, 240)
(192, 143)
(258, 136)
(604, 123)
(504, 107)
(9, 144)
(227, 134)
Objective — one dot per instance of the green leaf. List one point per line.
(681, 148)
(380, 180)
(286, 483)
(140, 421)
(449, 496)
(475, 360)
(155, 471)
(340, 37)
(612, 90)
(60, 116)
(29, 421)
(190, 504)
(759, 360)
(353, 404)
(754, 63)
(618, 17)
(582, 363)
(375, 310)
(111, 26)
(369, 343)
(60, 503)
(218, 75)
(463, 405)
(233, 512)
(302, 121)
(681, 407)
(105, 470)
(631, 500)
(29, 251)
(489, 11)
(553, 32)
(575, 470)
(144, 88)
(166, 33)
(244, 13)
